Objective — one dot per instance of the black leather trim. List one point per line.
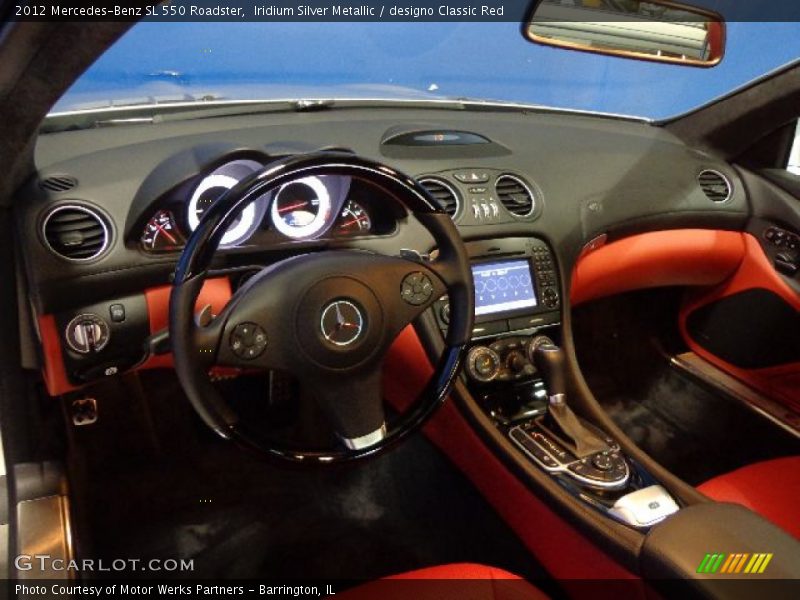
(674, 549)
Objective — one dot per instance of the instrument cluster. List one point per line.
(309, 208)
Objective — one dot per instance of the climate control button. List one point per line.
(483, 364)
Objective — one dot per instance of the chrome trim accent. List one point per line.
(724, 177)
(450, 188)
(75, 321)
(44, 527)
(516, 332)
(697, 367)
(534, 201)
(595, 243)
(76, 414)
(470, 363)
(319, 101)
(329, 335)
(365, 441)
(89, 211)
(563, 468)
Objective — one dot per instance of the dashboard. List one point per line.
(104, 220)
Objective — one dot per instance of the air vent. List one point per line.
(715, 186)
(444, 195)
(76, 233)
(58, 183)
(515, 195)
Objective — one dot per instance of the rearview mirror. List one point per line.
(656, 30)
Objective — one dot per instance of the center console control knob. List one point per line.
(539, 340)
(602, 462)
(516, 361)
(483, 364)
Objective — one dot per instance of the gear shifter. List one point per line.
(551, 362)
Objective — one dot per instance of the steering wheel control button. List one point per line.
(416, 288)
(87, 333)
(341, 323)
(248, 341)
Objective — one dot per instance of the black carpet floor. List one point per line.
(695, 432)
(185, 494)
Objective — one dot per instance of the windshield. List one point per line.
(174, 61)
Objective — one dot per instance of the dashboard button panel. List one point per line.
(485, 199)
(472, 176)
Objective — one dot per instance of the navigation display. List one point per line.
(503, 286)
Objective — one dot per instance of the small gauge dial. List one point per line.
(161, 233)
(353, 220)
(302, 208)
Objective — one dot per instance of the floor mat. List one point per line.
(691, 430)
(239, 517)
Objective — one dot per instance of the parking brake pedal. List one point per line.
(83, 411)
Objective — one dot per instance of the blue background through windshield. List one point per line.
(477, 60)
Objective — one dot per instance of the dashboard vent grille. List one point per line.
(444, 195)
(76, 233)
(715, 186)
(58, 183)
(514, 195)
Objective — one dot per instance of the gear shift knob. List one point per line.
(552, 363)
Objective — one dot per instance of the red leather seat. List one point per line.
(770, 488)
(459, 581)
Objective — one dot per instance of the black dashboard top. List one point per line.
(564, 178)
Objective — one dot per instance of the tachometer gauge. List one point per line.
(302, 208)
(215, 185)
(353, 220)
(161, 233)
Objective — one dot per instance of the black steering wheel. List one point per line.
(327, 317)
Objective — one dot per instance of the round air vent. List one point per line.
(715, 185)
(58, 183)
(515, 195)
(75, 232)
(444, 195)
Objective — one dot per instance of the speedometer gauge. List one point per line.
(213, 186)
(302, 208)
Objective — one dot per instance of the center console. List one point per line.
(517, 373)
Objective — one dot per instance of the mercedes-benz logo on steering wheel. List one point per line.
(341, 322)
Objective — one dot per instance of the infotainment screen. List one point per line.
(503, 286)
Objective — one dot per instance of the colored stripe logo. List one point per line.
(745, 563)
